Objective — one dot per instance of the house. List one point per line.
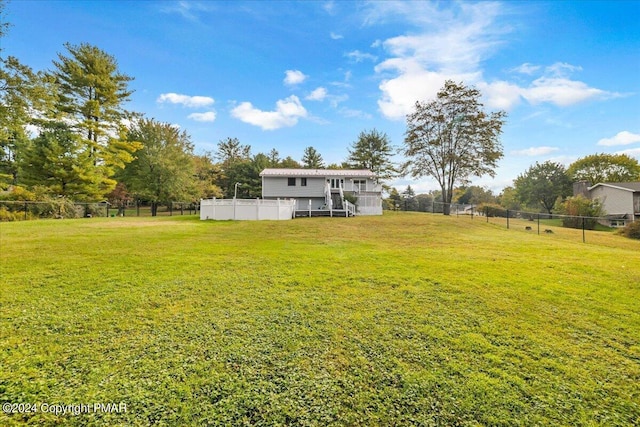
(620, 200)
(327, 192)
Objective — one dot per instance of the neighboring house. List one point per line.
(323, 191)
(620, 200)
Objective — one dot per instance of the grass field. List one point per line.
(404, 319)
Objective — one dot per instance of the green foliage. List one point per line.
(409, 202)
(231, 151)
(61, 162)
(373, 150)
(473, 195)
(508, 199)
(23, 94)
(631, 230)
(580, 206)
(492, 210)
(422, 320)
(311, 159)
(163, 169)
(598, 168)
(207, 176)
(542, 185)
(92, 92)
(451, 138)
(394, 201)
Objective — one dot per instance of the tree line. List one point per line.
(544, 187)
(66, 133)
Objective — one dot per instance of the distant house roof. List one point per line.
(356, 173)
(627, 186)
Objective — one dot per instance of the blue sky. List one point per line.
(288, 75)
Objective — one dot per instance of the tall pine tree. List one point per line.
(92, 94)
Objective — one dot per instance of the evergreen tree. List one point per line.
(311, 159)
(59, 161)
(92, 94)
(409, 199)
(230, 151)
(372, 150)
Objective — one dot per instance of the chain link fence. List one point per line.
(531, 222)
(11, 210)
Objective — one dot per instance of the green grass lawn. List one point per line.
(403, 319)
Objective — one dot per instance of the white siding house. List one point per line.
(621, 200)
(321, 190)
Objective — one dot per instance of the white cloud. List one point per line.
(330, 7)
(189, 9)
(355, 114)
(414, 83)
(286, 114)
(621, 138)
(561, 91)
(562, 69)
(209, 116)
(358, 56)
(318, 94)
(186, 100)
(526, 68)
(535, 151)
(500, 94)
(451, 42)
(294, 77)
(631, 152)
(335, 36)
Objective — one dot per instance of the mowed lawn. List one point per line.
(404, 319)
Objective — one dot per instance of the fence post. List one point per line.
(170, 208)
(538, 224)
(138, 207)
(181, 208)
(583, 221)
(25, 211)
(486, 212)
(471, 211)
(507, 219)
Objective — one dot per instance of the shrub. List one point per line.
(579, 206)
(632, 230)
(492, 210)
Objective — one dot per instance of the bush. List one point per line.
(12, 214)
(492, 210)
(579, 206)
(632, 230)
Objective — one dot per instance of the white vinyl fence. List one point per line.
(247, 209)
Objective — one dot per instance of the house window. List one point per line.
(360, 185)
(337, 183)
(618, 223)
(291, 182)
(303, 182)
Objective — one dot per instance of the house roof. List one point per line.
(356, 173)
(626, 186)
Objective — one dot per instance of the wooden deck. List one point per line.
(322, 212)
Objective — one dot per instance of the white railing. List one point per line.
(369, 204)
(350, 208)
(247, 209)
(368, 187)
